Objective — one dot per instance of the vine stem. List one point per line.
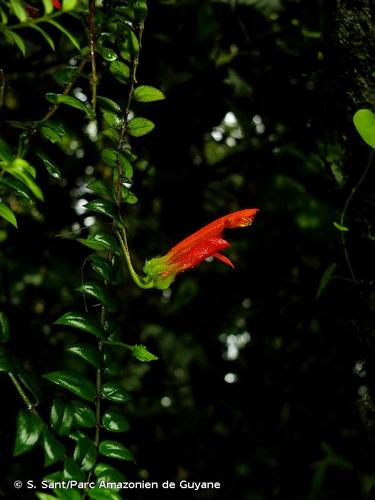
(92, 45)
(23, 395)
(345, 209)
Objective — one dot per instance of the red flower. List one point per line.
(57, 4)
(206, 242)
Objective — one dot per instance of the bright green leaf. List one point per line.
(120, 70)
(142, 354)
(146, 93)
(114, 421)
(48, 6)
(103, 207)
(113, 449)
(87, 352)
(7, 214)
(138, 126)
(52, 169)
(28, 430)
(82, 322)
(114, 392)
(18, 10)
(364, 122)
(340, 227)
(99, 293)
(69, 5)
(53, 449)
(73, 382)
(106, 104)
(103, 189)
(14, 38)
(69, 101)
(83, 414)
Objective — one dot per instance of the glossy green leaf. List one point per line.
(112, 134)
(110, 156)
(15, 38)
(114, 392)
(28, 431)
(82, 322)
(73, 382)
(103, 189)
(53, 449)
(83, 414)
(138, 126)
(146, 93)
(106, 104)
(107, 53)
(114, 421)
(107, 473)
(45, 496)
(120, 70)
(87, 352)
(101, 266)
(18, 187)
(65, 32)
(103, 207)
(142, 354)
(129, 197)
(44, 34)
(18, 10)
(99, 293)
(101, 241)
(364, 122)
(61, 416)
(7, 214)
(340, 227)
(5, 151)
(72, 471)
(51, 167)
(85, 453)
(325, 279)
(3, 16)
(4, 328)
(70, 101)
(48, 6)
(113, 120)
(20, 173)
(49, 134)
(114, 449)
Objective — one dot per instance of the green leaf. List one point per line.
(72, 471)
(120, 71)
(31, 382)
(99, 293)
(129, 197)
(17, 187)
(4, 17)
(28, 430)
(52, 169)
(325, 279)
(87, 352)
(146, 93)
(14, 38)
(101, 266)
(142, 354)
(19, 172)
(73, 382)
(100, 241)
(61, 416)
(107, 53)
(113, 120)
(65, 32)
(140, 126)
(7, 214)
(113, 449)
(107, 473)
(4, 328)
(70, 101)
(53, 449)
(69, 5)
(103, 207)
(103, 189)
(106, 104)
(18, 10)
(340, 227)
(85, 453)
(364, 122)
(112, 134)
(44, 34)
(114, 392)
(45, 496)
(48, 6)
(82, 322)
(83, 414)
(5, 151)
(49, 134)
(114, 421)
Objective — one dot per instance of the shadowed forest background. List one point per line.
(259, 384)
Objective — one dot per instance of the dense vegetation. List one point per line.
(265, 374)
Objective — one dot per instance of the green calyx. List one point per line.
(154, 270)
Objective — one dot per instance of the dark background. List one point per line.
(295, 420)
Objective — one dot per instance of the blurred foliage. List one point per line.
(259, 384)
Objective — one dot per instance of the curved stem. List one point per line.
(345, 209)
(125, 249)
(23, 394)
(92, 45)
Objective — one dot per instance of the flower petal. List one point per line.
(224, 259)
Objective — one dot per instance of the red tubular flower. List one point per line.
(206, 242)
(57, 4)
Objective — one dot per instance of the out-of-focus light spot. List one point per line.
(246, 303)
(167, 293)
(230, 119)
(166, 401)
(217, 134)
(92, 130)
(78, 93)
(73, 145)
(359, 369)
(209, 259)
(230, 141)
(230, 378)
(79, 206)
(234, 343)
(89, 170)
(76, 227)
(80, 153)
(89, 221)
